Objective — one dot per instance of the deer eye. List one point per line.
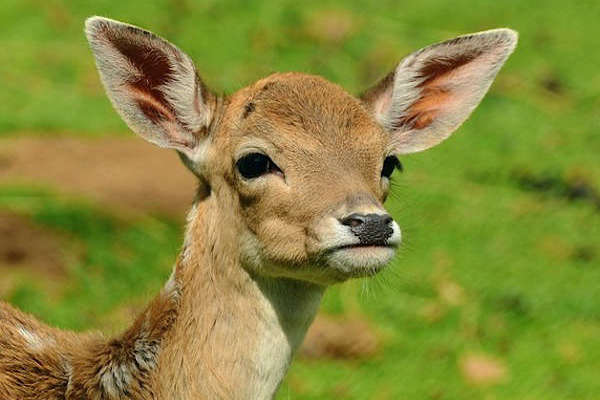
(254, 165)
(389, 164)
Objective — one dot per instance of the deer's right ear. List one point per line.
(432, 91)
(152, 84)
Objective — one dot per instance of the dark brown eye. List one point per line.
(254, 165)
(389, 164)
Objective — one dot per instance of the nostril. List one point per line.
(370, 229)
(353, 220)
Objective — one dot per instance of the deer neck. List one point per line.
(235, 333)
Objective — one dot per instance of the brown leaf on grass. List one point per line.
(451, 293)
(570, 352)
(482, 369)
(340, 338)
(554, 247)
(432, 311)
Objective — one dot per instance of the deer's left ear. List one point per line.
(434, 90)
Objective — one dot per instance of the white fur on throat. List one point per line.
(288, 309)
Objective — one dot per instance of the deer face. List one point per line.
(299, 168)
(304, 161)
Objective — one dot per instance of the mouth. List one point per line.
(360, 259)
(383, 245)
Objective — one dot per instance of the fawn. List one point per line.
(292, 173)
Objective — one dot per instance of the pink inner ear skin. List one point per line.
(440, 88)
(424, 111)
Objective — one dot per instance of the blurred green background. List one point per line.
(496, 293)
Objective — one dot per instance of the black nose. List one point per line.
(371, 229)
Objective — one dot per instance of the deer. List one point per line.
(292, 174)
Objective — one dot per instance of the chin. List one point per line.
(359, 261)
(326, 268)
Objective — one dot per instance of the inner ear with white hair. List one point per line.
(153, 85)
(434, 90)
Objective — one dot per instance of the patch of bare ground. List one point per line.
(28, 250)
(340, 338)
(121, 173)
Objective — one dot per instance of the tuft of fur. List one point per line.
(39, 362)
(123, 367)
(35, 360)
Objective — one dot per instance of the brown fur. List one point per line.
(65, 365)
(258, 252)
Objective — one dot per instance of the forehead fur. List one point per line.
(304, 105)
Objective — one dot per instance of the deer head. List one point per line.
(299, 168)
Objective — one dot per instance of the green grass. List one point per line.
(526, 263)
(118, 259)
